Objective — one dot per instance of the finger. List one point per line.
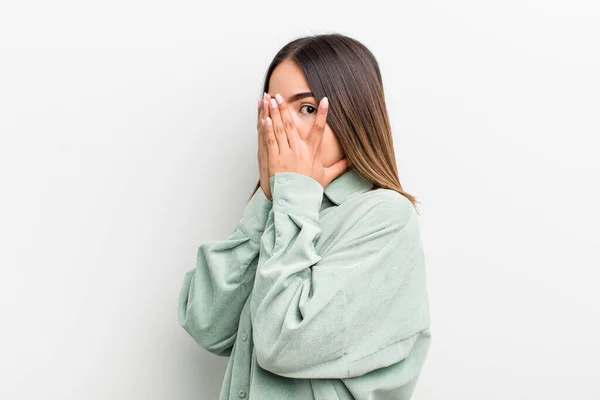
(260, 111)
(270, 140)
(264, 107)
(261, 139)
(262, 114)
(280, 133)
(261, 133)
(267, 103)
(261, 107)
(316, 133)
(288, 122)
(262, 148)
(265, 114)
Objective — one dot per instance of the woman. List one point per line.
(320, 291)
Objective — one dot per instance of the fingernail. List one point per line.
(325, 102)
(279, 98)
(273, 103)
(264, 95)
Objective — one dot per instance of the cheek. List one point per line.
(328, 140)
(331, 146)
(303, 125)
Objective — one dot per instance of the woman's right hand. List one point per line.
(263, 161)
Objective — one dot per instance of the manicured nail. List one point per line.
(268, 121)
(279, 98)
(264, 95)
(325, 102)
(273, 103)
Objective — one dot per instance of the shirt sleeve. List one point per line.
(214, 292)
(360, 306)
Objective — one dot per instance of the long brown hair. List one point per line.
(346, 71)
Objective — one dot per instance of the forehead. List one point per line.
(287, 78)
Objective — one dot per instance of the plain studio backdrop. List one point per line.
(129, 138)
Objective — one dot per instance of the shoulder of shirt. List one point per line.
(385, 204)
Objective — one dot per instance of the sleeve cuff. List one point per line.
(296, 194)
(255, 215)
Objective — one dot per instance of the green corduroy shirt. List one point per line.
(316, 294)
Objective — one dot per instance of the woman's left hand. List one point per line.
(289, 152)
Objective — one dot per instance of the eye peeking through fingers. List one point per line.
(310, 107)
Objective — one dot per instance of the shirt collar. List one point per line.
(347, 185)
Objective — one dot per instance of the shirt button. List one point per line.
(281, 202)
(244, 337)
(242, 393)
(281, 179)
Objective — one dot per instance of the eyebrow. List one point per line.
(298, 96)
